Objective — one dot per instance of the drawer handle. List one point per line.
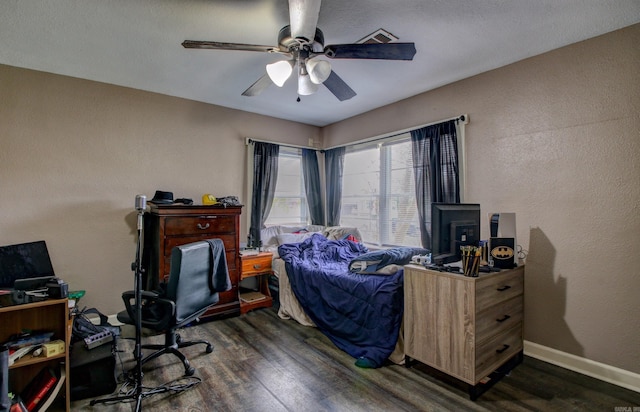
(502, 289)
(257, 266)
(502, 319)
(201, 227)
(504, 348)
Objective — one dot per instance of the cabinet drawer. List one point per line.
(231, 264)
(256, 265)
(498, 318)
(229, 242)
(199, 225)
(494, 352)
(498, 288)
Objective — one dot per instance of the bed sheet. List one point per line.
(369, 327)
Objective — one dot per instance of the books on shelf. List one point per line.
(17, 354)
(251, 297)
(54, 393)
(43, 389)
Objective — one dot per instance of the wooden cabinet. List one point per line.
(256, 265)
(168, 226)
(466, 327)
(46, 316)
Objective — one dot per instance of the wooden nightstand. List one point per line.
(256, 265)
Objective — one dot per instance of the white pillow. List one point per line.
(341, 232)
(268, 236)
(315, 228)
(294, 237)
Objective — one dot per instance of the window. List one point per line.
(290, 201)
(378, 193)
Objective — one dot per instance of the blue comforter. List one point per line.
(360, 313)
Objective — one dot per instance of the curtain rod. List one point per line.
(250, 140)
(462, 118)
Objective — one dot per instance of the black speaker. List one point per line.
(92, 371)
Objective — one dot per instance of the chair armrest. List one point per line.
(157, 312)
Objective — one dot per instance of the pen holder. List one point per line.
(471, 265)
(471, 257)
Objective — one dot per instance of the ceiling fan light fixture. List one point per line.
(279, 71)
(319, 70)
(306, 86)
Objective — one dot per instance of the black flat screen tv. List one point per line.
(24, 261)
(453, 225)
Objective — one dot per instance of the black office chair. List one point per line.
(198, 272)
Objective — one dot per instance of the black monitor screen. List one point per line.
(453, 225)
(23, 261)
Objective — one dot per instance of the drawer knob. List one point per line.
(502, 319)
(203, 227)
(504, 348)
(502, 289)
(257, 266)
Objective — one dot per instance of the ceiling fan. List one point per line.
(301, 43)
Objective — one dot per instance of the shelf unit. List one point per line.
(47, 316)
(256, 265)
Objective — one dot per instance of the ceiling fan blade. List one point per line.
(385, 51)
(338, 87)
(303, 17)
(257, 87)
(197, 44)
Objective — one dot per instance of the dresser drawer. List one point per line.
(498, 288)
(231, 265)
(255, 265)
(229, 242)
(199, 225)
(498, 318)
(497, 350)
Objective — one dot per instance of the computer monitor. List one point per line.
(453, 225)
(24, 261)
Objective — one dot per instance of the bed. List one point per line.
(330, 280)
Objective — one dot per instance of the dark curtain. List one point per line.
(334, 165)
(435, 166)
(265, 175)
(311, 174)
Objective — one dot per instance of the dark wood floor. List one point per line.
(263, 363)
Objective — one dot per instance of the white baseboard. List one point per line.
(607, 373)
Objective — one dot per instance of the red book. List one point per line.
(39, 388)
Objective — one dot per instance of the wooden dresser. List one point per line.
(167, 226)
(469, 328)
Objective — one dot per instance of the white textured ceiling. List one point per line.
(136, 43)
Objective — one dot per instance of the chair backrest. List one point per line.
(197, 271)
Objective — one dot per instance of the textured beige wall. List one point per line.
(74, 154)
(555, 139)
